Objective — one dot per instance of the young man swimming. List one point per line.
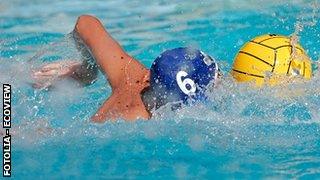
(177, 75)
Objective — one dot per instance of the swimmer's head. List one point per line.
(178, 75)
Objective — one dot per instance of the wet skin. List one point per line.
(128, 77)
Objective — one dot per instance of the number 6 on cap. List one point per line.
(183, 83)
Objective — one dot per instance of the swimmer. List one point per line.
(177, 75)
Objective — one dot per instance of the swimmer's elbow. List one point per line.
(86, 22)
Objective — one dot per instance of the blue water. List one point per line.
(241, 133)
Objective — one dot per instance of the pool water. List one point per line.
(240, 133)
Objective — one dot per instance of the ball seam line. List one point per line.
(273, 38)
(241, 72)
(242, 52)
(289, 46)
(263, 45)
(291, 51)
(274, 61)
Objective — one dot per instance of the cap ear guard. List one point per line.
(217, 74)
(208, 60)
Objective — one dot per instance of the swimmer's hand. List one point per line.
(50, 73)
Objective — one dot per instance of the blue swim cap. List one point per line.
(181, 74)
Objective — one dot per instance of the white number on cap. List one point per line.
(183, 83)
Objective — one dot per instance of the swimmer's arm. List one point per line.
(98, 50)
(108, 54)
(127, 76)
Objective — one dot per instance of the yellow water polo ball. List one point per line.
(271, 59)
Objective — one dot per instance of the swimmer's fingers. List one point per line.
(45, 71)
(59, 69)
(44, 79)
(51, 73)
(60, 65)
(52, 66)
(54, 72)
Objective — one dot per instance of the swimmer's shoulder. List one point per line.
(122, 104)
